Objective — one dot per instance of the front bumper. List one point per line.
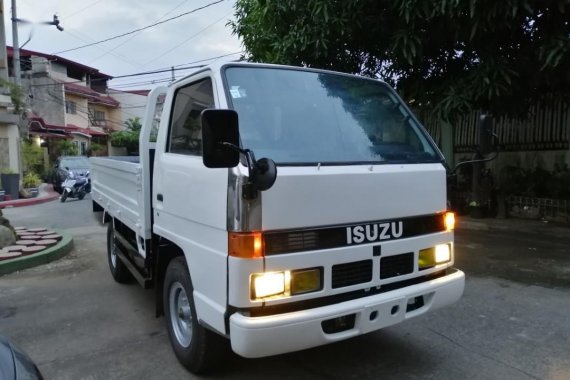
(255, 337)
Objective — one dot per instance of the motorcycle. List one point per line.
(75, 186)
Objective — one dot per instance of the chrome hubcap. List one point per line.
(180, 314)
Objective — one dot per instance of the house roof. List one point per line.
(38, 125)
(55, 58)
(91, 95)
(138, 92)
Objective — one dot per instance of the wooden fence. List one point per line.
(546, 128)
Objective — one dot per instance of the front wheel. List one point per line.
(63, 196)
(119, 271)
(197, 348)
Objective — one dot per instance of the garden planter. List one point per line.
(33, 192)
(11, 184)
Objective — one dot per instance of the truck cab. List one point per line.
(340, 229)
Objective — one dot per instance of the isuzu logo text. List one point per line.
(374, 232)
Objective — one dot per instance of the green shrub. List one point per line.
(32, 156)
(30, 180)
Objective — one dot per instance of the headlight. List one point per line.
(270, 284)
(286, 283)
(442, 253)
(430, 257)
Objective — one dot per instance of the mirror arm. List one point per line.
(249, 190)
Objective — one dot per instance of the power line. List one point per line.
(175, 68)
(130, 38)
(143, 28)
(161, 55)
(115, 54)
(82, 9)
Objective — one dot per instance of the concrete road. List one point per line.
(512, 323)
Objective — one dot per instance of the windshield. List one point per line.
(298, 117)
(75, 162)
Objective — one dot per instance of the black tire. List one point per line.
(205, 348)
(81, 196)
(63, 196)
(119, 271)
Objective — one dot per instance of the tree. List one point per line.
(128, 138)
(452, 56)
(66, 148)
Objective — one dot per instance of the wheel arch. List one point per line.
(166, 251)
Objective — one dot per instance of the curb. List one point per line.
(28, 202)
(51, 195)
(47, 255)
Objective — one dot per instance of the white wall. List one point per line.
(132, 105)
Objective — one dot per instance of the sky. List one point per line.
(194, 37)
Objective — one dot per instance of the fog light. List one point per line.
(306, 280)
(270, 284)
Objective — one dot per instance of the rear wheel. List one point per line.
(197, 348)
(118, 270)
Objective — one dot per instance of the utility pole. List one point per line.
(16, 45)
(3, 56)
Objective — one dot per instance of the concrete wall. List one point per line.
(45, 98)
(80, 118)
(132, 105)
(59, 72)
(114, 119)
(10, 147)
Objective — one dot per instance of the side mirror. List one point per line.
(265, 174)
(219, 127)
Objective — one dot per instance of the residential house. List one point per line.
(67, 100)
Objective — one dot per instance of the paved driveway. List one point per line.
(512, 323)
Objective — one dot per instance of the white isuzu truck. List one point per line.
(341, 229)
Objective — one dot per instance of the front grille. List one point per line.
(318, 238)
(291, 242)
(354, 273)
(396, 265)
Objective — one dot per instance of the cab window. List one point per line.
(185, 136)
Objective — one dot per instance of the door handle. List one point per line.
(159, 197)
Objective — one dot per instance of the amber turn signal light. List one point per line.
(245, 245)
(449, 218)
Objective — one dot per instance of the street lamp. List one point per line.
(16, 43)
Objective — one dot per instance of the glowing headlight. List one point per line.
(442, 253)
(430, 257)
(270, 284)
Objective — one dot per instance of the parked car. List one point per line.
(79, 165)
(16, 364)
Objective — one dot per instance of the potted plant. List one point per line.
(31, 183)
(11, 182)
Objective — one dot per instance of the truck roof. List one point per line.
(217, 66)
